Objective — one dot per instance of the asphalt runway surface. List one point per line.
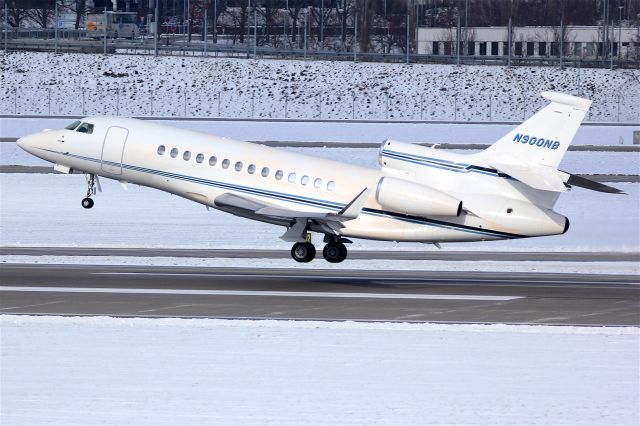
(304, 294)
(453, 256)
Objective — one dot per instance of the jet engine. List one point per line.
(403, 196)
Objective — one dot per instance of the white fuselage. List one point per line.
(128, 150)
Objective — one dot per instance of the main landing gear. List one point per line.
(334, 252)
(92, 181)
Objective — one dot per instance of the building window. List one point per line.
(251, 169)
(317, 183)
(505, 49)
(483, 48)
(225, 163)
(577, 49)
(265, 172)
(199, 158)
(174, 152)
(292, 177)
(494, 48)
(589, 49)
(304, 180)
(471, 48)
(447, 47)
(555, 48)
(331, 185)
(435, 47)
(542, 48)
(518, 48)
(279, 174)
(186, 156)
(213, 160)
(531, 47)
(615, 49)
(161, 150)
(238, 166)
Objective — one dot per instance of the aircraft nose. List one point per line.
(28, 143)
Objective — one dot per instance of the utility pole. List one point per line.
(458, 42)
(561, 41)
(255, 30)
(215, 21)
(408, 23)
(620, 31)
(156, 29)
(306, 15)
(104, 49)
(355, 36)
(466, 27)
(322, 24)
(206, 29)
(6, 25)
(55, 30)
(509, 44)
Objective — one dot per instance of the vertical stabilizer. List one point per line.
(544, 138)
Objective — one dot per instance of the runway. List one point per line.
(303, 294)
(453, 256)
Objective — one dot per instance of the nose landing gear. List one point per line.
(92, 182)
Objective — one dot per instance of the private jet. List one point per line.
(419, 193)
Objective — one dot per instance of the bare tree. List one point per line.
(17, 12)
(42, 12)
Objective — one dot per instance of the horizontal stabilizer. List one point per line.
(540, 177)
(579, 181)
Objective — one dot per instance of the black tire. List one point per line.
(334, 252)
(87, 203)
(303, 252)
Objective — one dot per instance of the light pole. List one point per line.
(620, 31)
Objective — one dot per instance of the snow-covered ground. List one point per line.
(44, 210)
(45, 84)
(345, 131)
(72, 371)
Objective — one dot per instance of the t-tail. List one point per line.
(532, 152)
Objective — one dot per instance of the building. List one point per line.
(579, 42)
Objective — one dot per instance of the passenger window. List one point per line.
(174, 152)
(251, 169)
(85, 128)
(304, 180)
(213, 160)
(279, 174)
(186, 156)
(265, 172)
(199, 158)
(317, 183)
(225, 163)
(292, 177)
(161, 150)
(331, 185)
(73, 125)
(238, 166)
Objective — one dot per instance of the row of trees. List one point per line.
(381, 25)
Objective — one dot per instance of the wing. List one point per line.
(296, 221)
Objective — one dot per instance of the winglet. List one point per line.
(353, 209)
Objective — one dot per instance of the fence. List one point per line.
(239, 103)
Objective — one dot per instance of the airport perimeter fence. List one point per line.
(76, 41)
(305, 104)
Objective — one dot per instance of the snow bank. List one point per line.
(45, 210)
(67, 371)
(46, 84)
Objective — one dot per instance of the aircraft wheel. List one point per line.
(334, 252)
(303, 252)
(87, 203)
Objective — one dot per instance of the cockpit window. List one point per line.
(85, 128)
(73, 125)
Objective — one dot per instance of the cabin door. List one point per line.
(113, 150)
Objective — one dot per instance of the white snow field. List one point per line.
(107, 371)
(45, 210)
(48, 84)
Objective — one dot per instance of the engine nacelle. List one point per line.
(403, 196)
